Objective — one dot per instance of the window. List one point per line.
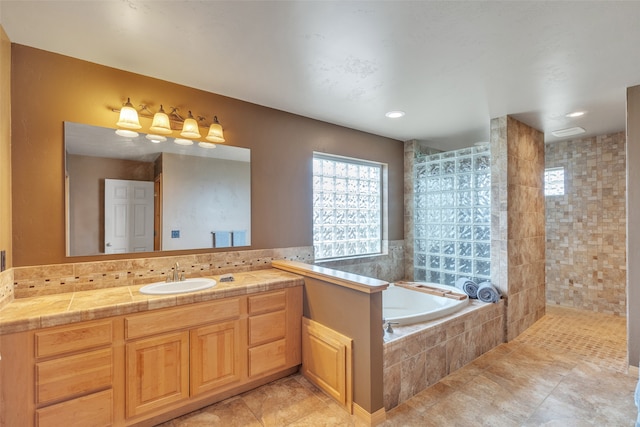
(554, 182)
(347, 207)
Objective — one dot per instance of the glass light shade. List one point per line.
(160, 124)
(156, 138)
(126, 133)
(128, 117)
(204, 144)
(190, 128)
(182, 141)
(215, 132)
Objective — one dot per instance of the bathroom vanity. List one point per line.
(133, 364)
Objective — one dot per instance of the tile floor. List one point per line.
(569, 369)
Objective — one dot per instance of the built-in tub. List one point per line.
(405, 306)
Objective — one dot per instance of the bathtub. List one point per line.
(406, 306)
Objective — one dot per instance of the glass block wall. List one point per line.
(453, 216)
(347, 218)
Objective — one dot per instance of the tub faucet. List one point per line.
(388, 328)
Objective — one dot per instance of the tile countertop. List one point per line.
(24, 314)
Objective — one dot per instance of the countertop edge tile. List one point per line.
(18, 315)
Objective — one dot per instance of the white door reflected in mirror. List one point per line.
(128, 216)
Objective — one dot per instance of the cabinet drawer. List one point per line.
(267, 327)
(94, 410)
(68, 339)
(184, 317)
(267, 357)
(73, 375)
(267, 302)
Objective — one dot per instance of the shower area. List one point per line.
(452, 215)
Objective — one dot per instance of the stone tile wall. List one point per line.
(389, 267)
(6, 287)
(430, 351)
(517, 226)
(586, 227)
(60, 278)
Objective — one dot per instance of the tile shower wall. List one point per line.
(452, 192)
(517, 224)
(586, 227)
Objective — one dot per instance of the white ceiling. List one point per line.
(451, 66)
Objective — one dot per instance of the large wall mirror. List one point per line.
(133, 195)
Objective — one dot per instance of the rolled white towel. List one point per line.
(468, 286)
(488, 293)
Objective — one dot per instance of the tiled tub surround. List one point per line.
(81, 276)
(418, 356)
(586, 227)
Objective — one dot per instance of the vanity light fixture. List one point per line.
(182, 141)
(215, 131)
(126, 133)
(156, 139)
(164, 124)
(190, 128)
(205, 144)
(161, 124)
(128, 117)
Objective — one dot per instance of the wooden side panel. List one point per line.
(267, 357)
(94, 410)
(68, 339)
(267, 327)
(267, 302)
(73, 375)
(17, 394)
(294, 326)
(215, 356)
(157, 372)
(172, 319)
(327, 361)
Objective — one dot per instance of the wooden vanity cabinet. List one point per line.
(74, 373)
(195, 345)
(147, 367)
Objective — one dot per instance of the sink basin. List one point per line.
(188, 285)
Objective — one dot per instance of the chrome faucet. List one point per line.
(176, 275)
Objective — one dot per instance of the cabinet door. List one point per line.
(215, 356)
(157, 372)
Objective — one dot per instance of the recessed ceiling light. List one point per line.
(568, 132)
(395, 114)
(575, 114)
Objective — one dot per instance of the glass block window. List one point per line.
(554, 181)
(347, 207)
(453, 216)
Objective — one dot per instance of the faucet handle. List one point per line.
(389, 328)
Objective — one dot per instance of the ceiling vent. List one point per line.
(568, 132)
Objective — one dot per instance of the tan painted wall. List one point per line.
(5, 145)
(50, 89)
(633, 231)
(357, 315)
